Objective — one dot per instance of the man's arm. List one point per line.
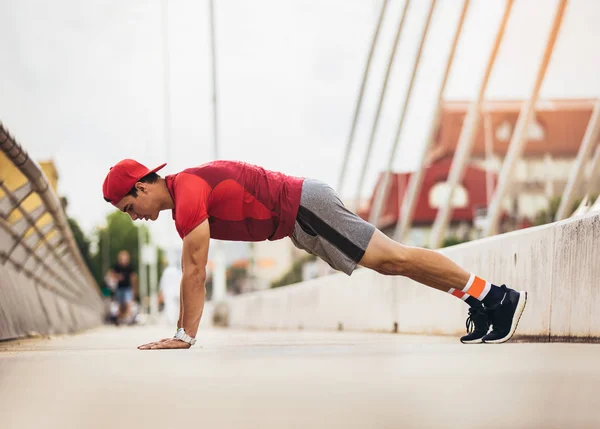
(193, 291)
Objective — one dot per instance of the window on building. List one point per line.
(504, 131)
(439, 193)
(535, 131)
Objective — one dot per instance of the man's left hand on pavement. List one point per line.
(167, 343)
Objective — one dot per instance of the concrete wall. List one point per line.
(26, 307)
(558, 264)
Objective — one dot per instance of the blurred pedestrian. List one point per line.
(170, 283)
(124, 275)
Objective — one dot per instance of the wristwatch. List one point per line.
(181, 335)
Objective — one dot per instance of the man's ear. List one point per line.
(140, 187)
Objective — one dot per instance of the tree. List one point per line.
(120, 233)
(548, 215)
(452, 241)
(83, 243)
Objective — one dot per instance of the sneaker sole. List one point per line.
(478, 341)
(515, 321)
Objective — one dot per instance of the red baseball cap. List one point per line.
(122, 177)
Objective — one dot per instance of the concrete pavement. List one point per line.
(295, 379)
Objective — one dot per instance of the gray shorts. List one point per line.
(327, 229)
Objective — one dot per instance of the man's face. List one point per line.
(144, 206)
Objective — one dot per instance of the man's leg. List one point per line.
(326, 228)
(430, 268)
(435, 270)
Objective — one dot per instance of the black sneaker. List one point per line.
(505, 316)
(478, 324)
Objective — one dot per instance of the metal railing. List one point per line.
(37, 245)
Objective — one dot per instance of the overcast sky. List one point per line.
(81, 82)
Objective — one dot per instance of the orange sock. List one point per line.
(477, 287)
(472, 302)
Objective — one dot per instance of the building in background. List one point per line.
(469, 198)
(14, 180)
(554, 137)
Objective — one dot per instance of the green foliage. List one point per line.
(294, 275)
(547, 216)
(120, 233)
(452, 241)
(235, 278)
(83, 243)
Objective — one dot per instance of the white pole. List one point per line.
(170, 237)
(382, 190)
(409, 204)
(360, 97)
(219, 280)
(519, 138)
(590, 139)
(214, 80)
(166, 81)
(219, 273)
(489, 144)
(363, 173)
(466, 139)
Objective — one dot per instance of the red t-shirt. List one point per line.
(242, 202)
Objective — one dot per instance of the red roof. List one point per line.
(473, 182)
(562, 122)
